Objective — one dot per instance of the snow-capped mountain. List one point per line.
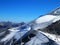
(49, 25)
(36, 32)
(55, 12)
(46, 20)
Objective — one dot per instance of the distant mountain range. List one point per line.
(7, 25)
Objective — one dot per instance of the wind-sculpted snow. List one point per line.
(46, 18)
(44, 21)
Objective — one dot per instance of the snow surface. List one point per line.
(17, 33)
(45, 18)
(54, 37)
(44, 21)
(56, 19)
(9, 36)
(38, 40)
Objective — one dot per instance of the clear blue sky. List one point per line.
(25, 10)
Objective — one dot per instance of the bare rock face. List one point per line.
(55, 27)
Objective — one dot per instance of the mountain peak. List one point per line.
(55, 12)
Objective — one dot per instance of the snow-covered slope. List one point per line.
(17, 33)
(41, 39)
(44, 21)
(54, 37)
(41, 23)
(47, 19)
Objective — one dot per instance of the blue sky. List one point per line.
(25, 10)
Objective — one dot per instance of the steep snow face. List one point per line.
(45, 18)
(9, 36)
(22, 32)
(39, 39)
(43, 21)
(56, 19)
(54, 37)
(16, 33)
(19, 34)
